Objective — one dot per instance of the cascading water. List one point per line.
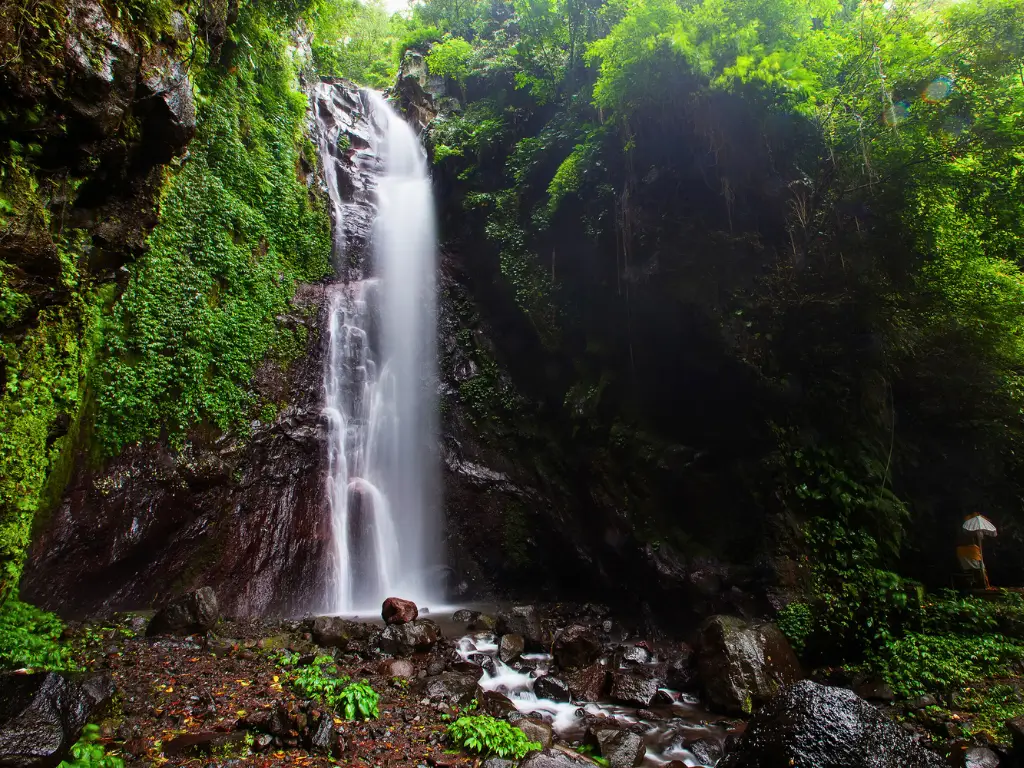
(380, 380)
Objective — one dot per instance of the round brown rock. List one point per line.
(398, 611)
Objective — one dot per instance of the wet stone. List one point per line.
(511, 647)
(552, 688)
(981, 757)
(465, 616)
(576, 646)
(634, 687)
(587, 684)
(537, 730)
(398, 611)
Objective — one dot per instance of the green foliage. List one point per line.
(88, 752)
(356, 40)
(487, 735)
(30, 637)
(451, 58)
(917, 663)
(796, 621)
(320, 681)
(237, 230)
(359, 699)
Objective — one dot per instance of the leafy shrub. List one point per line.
(489, 736)
(918, 663)
(320, 681)
(418, 39)
(796, 623)
(89, 753)
(359, 699)
(451, 59)
(29, 638)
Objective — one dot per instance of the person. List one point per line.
(968, 552)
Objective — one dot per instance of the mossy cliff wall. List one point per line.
(159, 209)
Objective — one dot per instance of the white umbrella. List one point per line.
(981, 525)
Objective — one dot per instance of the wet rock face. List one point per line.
(576, 646)
(589, 683)
(166, 104)
(523, 620)
(811, 724)
(243, 515)
(406, 639)
(636, 687)
(398, 611)
(451, 688)
(621, 748)
(742, 665)
(192, 612)
(336, 632)
(41, 716)
(553, 758)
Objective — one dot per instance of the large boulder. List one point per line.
(576, 646)
(620, 747)
(537, 731)
(589, 683)
(523, 620)
(41, 716)
(551, 688)
(336, 632)
(191, 613)
(407, 639)
(451, 688)
(808, 724)
(555, 758)
(398, 611)
(511, 647)
(634, 686)
(742, 665)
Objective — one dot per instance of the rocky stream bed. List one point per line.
(187, 687)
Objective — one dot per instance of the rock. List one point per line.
(873, 689)
(522, 620)
(554, 758)
(465, 616)
(101, 68)
(553, 688)
(589, 683)
(921, 702)
(41, 716)
(634, 687)
(406, 639)
(398, 611)
(204, 743)
(808, 724)
(451, 688)
(980, 757)
(633, 655)
(742, 665)
(1016, 728)
(576, 646)
(399, 668)
(336, 632)
(621, 748)
(168, 109)
(707, 752)
(680, 670)
(322, 737)
(483, 623)
(510, 647)
(498, 762)
(496, 704)
(191, 613)
(537, 730)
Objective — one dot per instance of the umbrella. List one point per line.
(981, 525)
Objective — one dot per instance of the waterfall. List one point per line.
(380, 393)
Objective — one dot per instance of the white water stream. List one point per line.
(380, 399)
